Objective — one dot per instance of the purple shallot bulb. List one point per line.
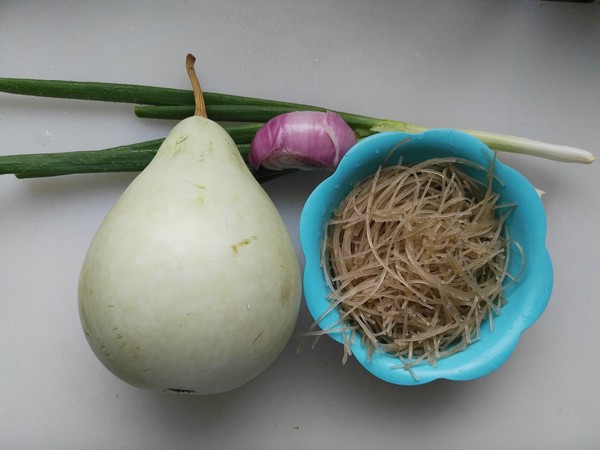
(301, 140)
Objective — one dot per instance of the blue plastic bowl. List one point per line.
(526, 299)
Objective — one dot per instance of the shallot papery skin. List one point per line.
(301, 140)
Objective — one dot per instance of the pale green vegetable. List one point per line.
(191, 283)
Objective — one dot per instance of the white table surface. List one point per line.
(525, 68)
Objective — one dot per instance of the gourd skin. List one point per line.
(191, 283)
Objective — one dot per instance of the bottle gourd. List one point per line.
(191, 284)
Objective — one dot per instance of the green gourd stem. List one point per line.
(199, 105)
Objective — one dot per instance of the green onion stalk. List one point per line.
(241, 115)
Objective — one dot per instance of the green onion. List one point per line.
(254, 113)
(124, 158)
(231, 113)
(242, 133)
(168, 103)
(506, 143)
(365, 126)
(89, 90)
(126, 93)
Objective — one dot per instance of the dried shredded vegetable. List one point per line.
(416, 258)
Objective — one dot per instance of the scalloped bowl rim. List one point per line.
(526, 299)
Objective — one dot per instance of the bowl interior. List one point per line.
(526, 299)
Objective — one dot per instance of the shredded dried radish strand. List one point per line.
(416, 258)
